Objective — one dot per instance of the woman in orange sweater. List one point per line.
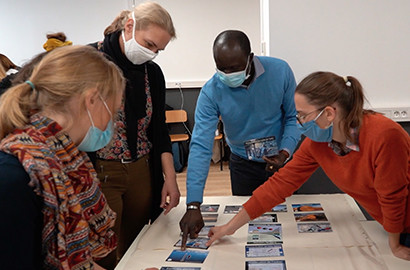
(364, 153)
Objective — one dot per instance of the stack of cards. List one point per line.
(311, 218)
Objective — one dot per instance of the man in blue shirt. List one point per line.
(254, 98)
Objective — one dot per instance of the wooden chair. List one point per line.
(175, 117)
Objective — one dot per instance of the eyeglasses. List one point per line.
(301, 118)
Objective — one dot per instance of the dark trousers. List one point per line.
(127, 188)
(246, 175)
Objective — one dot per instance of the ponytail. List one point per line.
(118, 23)
(15, 106)
(325, 88)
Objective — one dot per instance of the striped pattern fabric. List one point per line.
(77, 219)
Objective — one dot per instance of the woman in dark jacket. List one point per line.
(136, 169)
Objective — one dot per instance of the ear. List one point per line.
(128, 26)
(91, 97)
(330, 113)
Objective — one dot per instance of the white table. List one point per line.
(354, 243)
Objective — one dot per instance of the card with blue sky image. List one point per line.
(194, 243)
(192, 256)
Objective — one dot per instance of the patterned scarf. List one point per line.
(76, 216)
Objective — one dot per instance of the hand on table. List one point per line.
(191, 223)
(274, 163)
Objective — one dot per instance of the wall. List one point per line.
(369, 39)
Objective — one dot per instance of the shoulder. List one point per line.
(273, 62)
(13, 177)
(377, 128)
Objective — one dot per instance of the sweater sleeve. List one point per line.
(200, 152)
(283, 183)
(161, 129)
(392, 179)
(21, 219)
(291, 134)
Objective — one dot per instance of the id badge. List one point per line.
(257, 148)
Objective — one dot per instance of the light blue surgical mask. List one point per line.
(314, 132)
(95, 138)
(233, 79)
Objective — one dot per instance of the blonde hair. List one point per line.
(62, 74)
(145, 14)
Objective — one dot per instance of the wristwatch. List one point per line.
(192, 207)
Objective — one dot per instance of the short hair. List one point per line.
(234, 37)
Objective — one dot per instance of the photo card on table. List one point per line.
(309, 217)
(209, 208)
(264, 233)
(307, 207)
(194, 243)
(232, 209)
(265, 265)
(254, 251)
(316, 227)
(193, 256)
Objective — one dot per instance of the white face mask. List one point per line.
(136, 53)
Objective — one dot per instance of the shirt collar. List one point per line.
(341, 150)
(259, 70)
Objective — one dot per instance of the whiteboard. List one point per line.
(187, 60)
(368, 39)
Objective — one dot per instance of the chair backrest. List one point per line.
(175, 116)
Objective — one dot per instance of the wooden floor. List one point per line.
(217, 184)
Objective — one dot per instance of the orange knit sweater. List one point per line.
(377, 176)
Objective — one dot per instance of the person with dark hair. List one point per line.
(253, 96)
(371, 151)
(136, 169)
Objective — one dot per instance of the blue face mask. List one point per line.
(314, 132)
(95, 138)
(233, 79)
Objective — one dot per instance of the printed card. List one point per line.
(307, 207)
(205, 230)
(265, 218)
(306, 217)
(265, 265)
(232, 209)
(314, 227)
(211, 208)
(194, 243)
(192, 256)
(264, 233)
(253, 251)
(257, 148)
(280, 208)
(209, 217)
